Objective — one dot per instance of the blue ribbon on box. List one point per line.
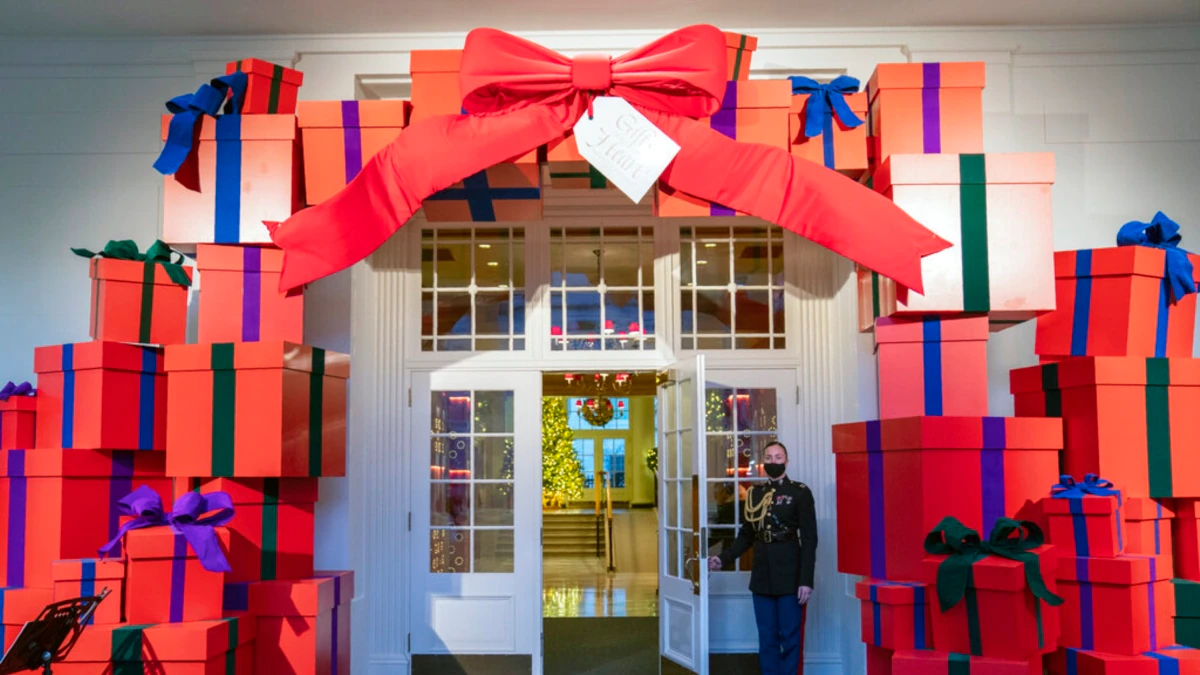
(1162, 232)
(826, 102)
(1092, 485)
(189, 109)
(1167, 664)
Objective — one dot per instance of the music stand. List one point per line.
(50, 637)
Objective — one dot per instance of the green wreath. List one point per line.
(597, 412)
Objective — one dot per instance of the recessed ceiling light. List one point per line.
(485, 246)
(710, 245)
(701, 262)
(493, 263)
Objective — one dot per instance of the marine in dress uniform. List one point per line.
(780, 522)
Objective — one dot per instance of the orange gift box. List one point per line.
(844, 149)
(62, 504)
(101, 395)
(340, 137)
(1007, 620)
(240, 299)
(219, 647)
(270, 89)
(925, 108)
(304, 625)
(256, 410)
(895, 614)
(1186, 531)
(18, 422)
(1173, 660)
(932, 366)
(753, 111)
(892, 486)
(88, 578)
(271, 532)
(925, 662)
(995, 209)
(1115, 302)
(568, 170)
(165, 582)
(1148, 527)
(137, 302)
(1122, 605)
(245, 169)
(435, 89)
(19, 606)
(1133, 418)
(739, 50)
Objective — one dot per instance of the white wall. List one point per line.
(79, 131)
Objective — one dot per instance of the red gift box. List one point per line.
(1173, 660)
(879, 661)
(271, 532)
(270, 89)
(739, 50)
(895, 614)
(1115, 302)
(932, 366)
(892, 486)
(18, 422)
(1086, 525)
(911, 662)
(137, 302)
(1127, 417)
(304, 625)
(1121, 605)
(240, 300)
(926, 108)
(165, 582)
(1186, 531)
(256, 410)
(101, 395)
(19, 606)
(999, 612)
(62, 504)
(1148, 527)
(243, 170)
(87, 578)
(754, 111)
(219, 647)
(340, 137)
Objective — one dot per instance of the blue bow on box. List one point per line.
(1162, 232)
(189, 109)
(826, 102)
(1092, 484)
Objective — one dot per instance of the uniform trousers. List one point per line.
(780, 621)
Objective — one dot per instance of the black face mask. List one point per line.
(775, 470)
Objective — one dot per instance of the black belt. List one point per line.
(768, 537)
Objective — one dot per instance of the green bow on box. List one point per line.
(963, 547)
(158, 254)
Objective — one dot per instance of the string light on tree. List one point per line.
(562, 475)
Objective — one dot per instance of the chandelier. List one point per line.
(598, 383)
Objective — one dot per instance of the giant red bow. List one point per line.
(522, 96)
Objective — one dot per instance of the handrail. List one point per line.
(610, 544)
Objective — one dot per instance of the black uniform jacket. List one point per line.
(782, 566)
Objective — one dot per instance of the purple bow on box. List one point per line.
(11, 389)
(186, 518)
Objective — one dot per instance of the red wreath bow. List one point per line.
(520, 96)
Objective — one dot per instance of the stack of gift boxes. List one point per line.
(235, 430)
(1100, 404)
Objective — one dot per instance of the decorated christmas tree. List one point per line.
(562, 476)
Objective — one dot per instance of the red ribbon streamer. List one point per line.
(520, 96)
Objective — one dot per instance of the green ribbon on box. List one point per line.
(596, 180)
(958, 664)
(270, 529)
(316, 406)
(737, 59)
(231, 655)
(158, 254)
(224, 407)
(963, 548)
(125, 652)
(1158, 427)
(972, 192)
(276, 84)
(1051, 390)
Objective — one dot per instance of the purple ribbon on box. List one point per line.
(12, 389)
(251, 293)
(875, 506)
(186, 519)
(1092, 485)
(17, 502)
(991, 470)
(931, 108)
(352, 155)
(725, 121)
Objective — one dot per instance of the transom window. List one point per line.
(472, 290)
(739, 423)
(732, 287)
(471, 482)
(602, 288)
(577, 420)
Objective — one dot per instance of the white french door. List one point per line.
(476, 515)
(683, 511)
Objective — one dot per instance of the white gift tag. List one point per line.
(624, 146)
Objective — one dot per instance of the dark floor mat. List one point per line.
(601, 646)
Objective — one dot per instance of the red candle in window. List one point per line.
(556, 330)
(608, 326)
(634, 328)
